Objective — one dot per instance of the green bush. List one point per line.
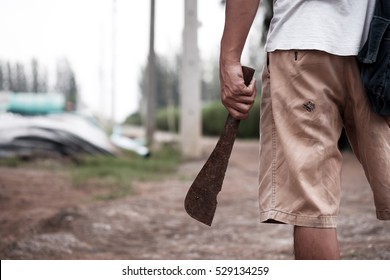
(249, 128)
(213, 120)
(134, 119)
(214, 117)
(162, 119)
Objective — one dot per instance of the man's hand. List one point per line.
(235, 95)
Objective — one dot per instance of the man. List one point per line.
(311, 89)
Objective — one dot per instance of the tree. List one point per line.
(35, 75)
(167, 88)
(13, 77)
(21, 80)
(10, 78)
(66, 82)
(167, 81)
(210, 84)
(2, 83)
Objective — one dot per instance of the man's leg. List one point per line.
(316, 243)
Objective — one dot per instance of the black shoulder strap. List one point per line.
(379, 29)
(382, 8)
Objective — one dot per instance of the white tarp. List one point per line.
(67, 134)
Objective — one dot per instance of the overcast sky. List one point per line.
(81, 31)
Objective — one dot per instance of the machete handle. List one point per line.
(247, 73)
(201, 199)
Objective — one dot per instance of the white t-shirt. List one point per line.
(338, 27)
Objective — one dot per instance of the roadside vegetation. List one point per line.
(213, 119)
(115, 176)
(107, 177)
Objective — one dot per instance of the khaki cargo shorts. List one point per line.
(308, 96)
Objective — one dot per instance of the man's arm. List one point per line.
(235, 96)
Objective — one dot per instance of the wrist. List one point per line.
(229, 57)
(230, 51)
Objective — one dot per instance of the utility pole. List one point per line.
(152, 87)
(101, 75)
(113, 62)
(190, 86)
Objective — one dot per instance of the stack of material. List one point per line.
(126, 143)
(64, 134)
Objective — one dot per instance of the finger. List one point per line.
(239, 103)
(250, 89)
(242, 89)
(245, 99)
(242, 108)
(237, 115)
(248, 96)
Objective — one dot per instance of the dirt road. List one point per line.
(43, 217)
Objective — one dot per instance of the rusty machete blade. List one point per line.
(201, 199)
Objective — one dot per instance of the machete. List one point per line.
(201, 199)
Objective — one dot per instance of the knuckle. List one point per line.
(237, 116)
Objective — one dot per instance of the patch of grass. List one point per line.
(113, 177)
(11, 162)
